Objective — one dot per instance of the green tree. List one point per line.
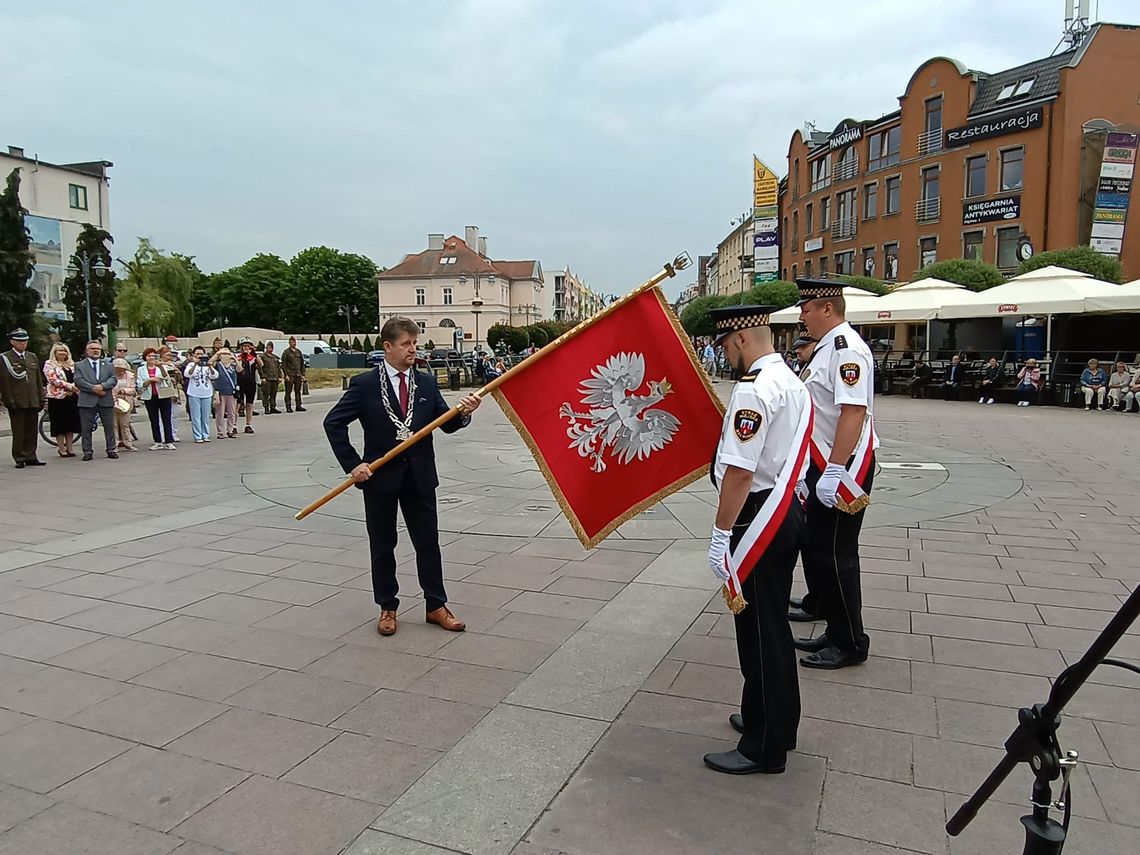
(18, 300)
(867, 283)
(539, 337)
(695, 318)
(322, 280)
(430, 346)
(252, 294)
(514, 339)
(93, 242)
(975, 275)
(367, 343)
(553, 329)
(1082, 258)
(141, 306)
(356, 343)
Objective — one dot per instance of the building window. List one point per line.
(823, 265)
(1012, 168)
(447, 324)
(821, 173)
(807, 268)
(825, 214)
(794, 274)
(844, 215)
(928, 204)
(845, 263)
(1023, 87)
(927, 251)
(890, 261)
(784, 234)
(894, 194)
(447, 297)
(931, 139)
(422, 325)
(796, 179)
(868, 261)
(808, 211)
(976, 176)
(848, 166)
(77, 196)
(972, 245)
(421, 296)
(870, 201)
(1007, 246)
(884, 149)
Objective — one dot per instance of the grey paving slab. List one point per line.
(57, 693)
(256, 742)
(529, 754)
(370, 769)
(65, 830)
(412, 719)
(303, 697)
(43, 755)
(614, 804)
(17, 805)
(372, 842)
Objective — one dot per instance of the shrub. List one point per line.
(975, 275)
(695, 318)
(514, 339)
(1082, 258)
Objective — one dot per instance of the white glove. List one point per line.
(718, 552)
(828, 484)
(801, 490)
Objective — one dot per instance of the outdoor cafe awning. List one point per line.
(1047, 291)
(855, 298)
(1126, 298)
(915, 302)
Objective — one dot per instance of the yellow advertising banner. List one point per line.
(765, 185)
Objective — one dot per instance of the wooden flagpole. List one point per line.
(668, 271)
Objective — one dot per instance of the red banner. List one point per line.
(618, 416)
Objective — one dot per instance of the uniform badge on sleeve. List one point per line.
(746, 423)
(849, 372)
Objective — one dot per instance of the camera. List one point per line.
(202, 360)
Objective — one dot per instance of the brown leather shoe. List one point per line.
(443, 617)
(387, 623)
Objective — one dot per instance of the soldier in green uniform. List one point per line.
(22, 389)
(270, 379)
(293, 368)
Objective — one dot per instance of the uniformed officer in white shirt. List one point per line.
(840, 379)
(756, 464)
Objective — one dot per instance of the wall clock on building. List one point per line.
(1024, 249)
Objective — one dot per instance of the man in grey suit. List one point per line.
(95, 377)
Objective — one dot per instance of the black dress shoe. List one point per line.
(735, 763)
(798, 615)
(301, 410)
(20, 464)
(737, 722)
(796, 602)
(87, 456)
(113, 455)
(832, 658)
(812, 645)
(35, 463)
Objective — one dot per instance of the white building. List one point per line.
(456, 292)
(571, 299)
(59, 198)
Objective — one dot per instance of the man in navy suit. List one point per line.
(392, 402)
(952, 386)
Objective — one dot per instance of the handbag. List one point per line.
(166, 388)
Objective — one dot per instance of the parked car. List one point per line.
(307, 346)
(441, 357)
(375, 357)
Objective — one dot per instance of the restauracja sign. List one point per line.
(983, 129)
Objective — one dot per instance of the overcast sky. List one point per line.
(603, 135)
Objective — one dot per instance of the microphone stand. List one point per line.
(1034, 741)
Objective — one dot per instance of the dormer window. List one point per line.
(1023, 87)
(1006, 92)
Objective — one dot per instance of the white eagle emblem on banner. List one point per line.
(619, 420)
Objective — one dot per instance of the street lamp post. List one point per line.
(347, 312)
(85, 268)
(477, 302)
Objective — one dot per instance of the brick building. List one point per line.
(971, 165)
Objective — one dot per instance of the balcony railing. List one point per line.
(927, 210)
(930, 142)
(846, 170)
(843, 228)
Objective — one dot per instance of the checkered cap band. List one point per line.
(815, 292)
(742, 322)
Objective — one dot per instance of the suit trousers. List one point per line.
(25, 423)
(423, 527)
(831, 566)
(87, 426)
(770, 701)
(293, 385)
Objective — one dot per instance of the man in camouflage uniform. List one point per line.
(293, 369)
(22, 389)
(270, 379)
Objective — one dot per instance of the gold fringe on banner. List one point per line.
(854, 506)
(735, 604)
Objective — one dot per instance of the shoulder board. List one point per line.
(840, 342)
(749, 378)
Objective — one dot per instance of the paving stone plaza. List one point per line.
(185, 668)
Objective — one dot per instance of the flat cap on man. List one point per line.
(730, 319)
(18, 334)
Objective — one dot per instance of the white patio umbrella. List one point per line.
(1047, 291)
(1126, 298)
(855, 298)
(914, 302)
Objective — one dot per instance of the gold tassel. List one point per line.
(735, 604)
(853, 507)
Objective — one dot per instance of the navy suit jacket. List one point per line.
(954, 373)
(362, 403)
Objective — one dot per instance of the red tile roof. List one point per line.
(427, 263)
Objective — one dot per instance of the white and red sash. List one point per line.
(771, 515)
(851, 497)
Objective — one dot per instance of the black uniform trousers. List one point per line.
(831, 566)
(25, 423)
(770, 702)
(423, 527)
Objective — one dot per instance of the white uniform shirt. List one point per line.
(760, 424)
(841, 371)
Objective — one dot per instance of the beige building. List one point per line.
(571, 298)
(59, 199)
(734, 260)
(456, 292)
